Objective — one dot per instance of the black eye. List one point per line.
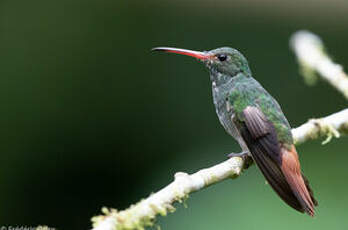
(222, 57)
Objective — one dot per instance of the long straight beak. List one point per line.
(196, 54)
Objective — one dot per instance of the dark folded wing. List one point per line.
(261, 138)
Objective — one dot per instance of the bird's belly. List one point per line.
(226, 121)
(226, 115)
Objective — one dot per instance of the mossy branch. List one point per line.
(312, 58)
(331, 126)
(143, 214)
(310, 52)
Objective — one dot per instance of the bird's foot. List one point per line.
(245, 155)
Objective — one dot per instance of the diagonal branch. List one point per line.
(312, 57)
(143, 214)
(330, 126)
(309, 50)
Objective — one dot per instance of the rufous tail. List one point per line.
(299, 184)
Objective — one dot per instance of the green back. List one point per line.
(246, 91)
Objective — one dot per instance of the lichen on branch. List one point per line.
(312, 57)
(143, 214)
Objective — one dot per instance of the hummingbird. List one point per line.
(256, 121)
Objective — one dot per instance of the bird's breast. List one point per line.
(223, 109)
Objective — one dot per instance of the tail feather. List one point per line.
(291, 169)
(315, 202)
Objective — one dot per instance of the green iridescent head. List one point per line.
(227, 61)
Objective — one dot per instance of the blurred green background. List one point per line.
(90, 118)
